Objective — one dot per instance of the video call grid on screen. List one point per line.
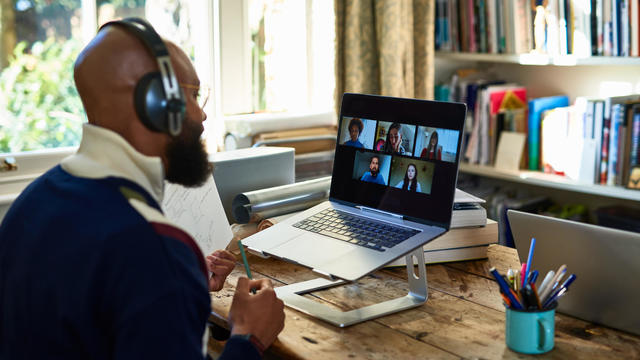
(428, 150)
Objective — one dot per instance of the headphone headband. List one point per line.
(173, 102)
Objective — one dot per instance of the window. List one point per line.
(39, 105)
(277, 56)
(258, 55)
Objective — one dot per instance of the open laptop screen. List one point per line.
(398, 155)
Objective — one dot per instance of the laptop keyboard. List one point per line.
(356, 230)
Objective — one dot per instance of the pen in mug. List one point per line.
(523, 274)
(510, 277)
(505, 299)
(529, 258)
(505, 289)
(554, 282)
(533, 276)
(546, 281)
(535, 292)
(565, 286)
(555, 297)
(246, 263)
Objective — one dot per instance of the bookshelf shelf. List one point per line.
(539, 59)
(550, 181)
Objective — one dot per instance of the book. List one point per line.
(632, 170)
(536, 108)
(458, 245)
(302, 147)
(554, 141)
(465, 237)
(609, 104)
(503, 99)
(617, 119)
(467, 210)
(468, 214)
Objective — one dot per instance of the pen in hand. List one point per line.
(246, 263)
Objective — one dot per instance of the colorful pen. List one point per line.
(533, 277)
(246, 263)
(555, 297)
(546, 281)
(529, 298)
(510, 277)
(505, 299)
(565, 286)
(523, 274)
(554, 282)
(529, 258)
(505, 289)
(535, 293)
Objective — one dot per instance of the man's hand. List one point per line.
(220, 263)
(261, 314)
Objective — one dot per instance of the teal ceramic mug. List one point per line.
(530, 332)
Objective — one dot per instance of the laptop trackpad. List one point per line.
(312, 250)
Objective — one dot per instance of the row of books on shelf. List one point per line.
(470, 235)
(597, 140)
(593, 141)
(553, 27)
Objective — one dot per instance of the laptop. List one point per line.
(371, 218)
(604, 260)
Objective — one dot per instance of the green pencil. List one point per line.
(246, 263)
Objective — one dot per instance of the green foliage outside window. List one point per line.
(39, 104)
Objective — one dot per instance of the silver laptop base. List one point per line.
(418, 293)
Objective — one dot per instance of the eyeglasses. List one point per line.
(203, 92)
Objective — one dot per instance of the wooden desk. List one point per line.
(463, 317)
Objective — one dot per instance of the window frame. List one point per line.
(212, 55)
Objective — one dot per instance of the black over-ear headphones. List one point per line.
(158, 98)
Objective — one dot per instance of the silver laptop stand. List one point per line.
(418, 293)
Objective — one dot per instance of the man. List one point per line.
(89, 266)
(373, 175)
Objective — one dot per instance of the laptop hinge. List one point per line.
(379, 212)
(257, 252)
(325, 275)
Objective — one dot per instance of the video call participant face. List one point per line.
(354, 132)
(411, 172)
(374, 166)
(433, 141)
(394, 138)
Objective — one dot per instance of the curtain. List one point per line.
(385, 47)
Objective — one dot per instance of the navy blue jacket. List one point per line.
(83, 275)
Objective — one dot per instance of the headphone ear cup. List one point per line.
(150, 102)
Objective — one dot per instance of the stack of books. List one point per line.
(470, 235)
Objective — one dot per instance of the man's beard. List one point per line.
(187, 158)
(374, 173)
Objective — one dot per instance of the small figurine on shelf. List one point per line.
(539, 26)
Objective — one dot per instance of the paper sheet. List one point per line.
(199, 211)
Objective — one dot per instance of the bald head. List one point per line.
(106, 73)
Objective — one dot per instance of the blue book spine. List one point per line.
(536, 108)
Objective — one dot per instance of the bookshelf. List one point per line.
(549, 76)
(538, 59)
(552, 181)
(497, 38)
